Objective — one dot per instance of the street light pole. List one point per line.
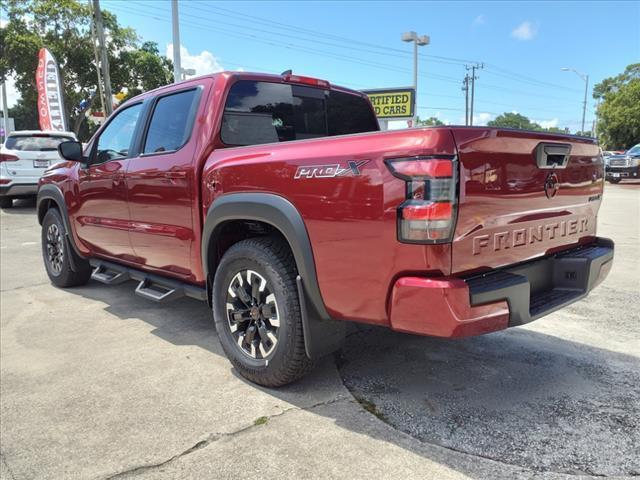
(418, 41)
(584, 105)
(585, 79)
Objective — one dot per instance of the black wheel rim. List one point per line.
(55, 249)
(252, 314)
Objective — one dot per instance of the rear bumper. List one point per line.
(454, 307)
(18, 189)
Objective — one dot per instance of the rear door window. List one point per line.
(265, 112)
(36, 142)
(349, 114)
(171, 122)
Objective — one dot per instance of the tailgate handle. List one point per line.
(552, 155)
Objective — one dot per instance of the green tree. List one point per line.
(586, 133)
(519, 121)
(619, 109)
(64, 27)
(429, 122)
(26, 118)
(513, 120)
(143, 69)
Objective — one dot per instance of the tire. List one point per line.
(6, 202)
(247, 323)
(55, 253)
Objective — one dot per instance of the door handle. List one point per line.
(175, 175)
(117, 179)
(552, 155)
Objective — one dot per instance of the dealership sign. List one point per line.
(392, 102)
(50, 105)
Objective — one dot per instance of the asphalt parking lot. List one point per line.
(98, 383)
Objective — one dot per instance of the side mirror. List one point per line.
(71, 150)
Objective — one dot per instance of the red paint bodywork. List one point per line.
(440, 308)
(147, 212)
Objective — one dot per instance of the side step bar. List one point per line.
(150, 286)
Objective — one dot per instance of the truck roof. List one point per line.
(231, 75)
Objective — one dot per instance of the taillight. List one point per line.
(5, 157)
(428, 215)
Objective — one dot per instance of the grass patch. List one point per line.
(260, 421)
(371, 408)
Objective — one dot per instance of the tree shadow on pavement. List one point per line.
(526, 400)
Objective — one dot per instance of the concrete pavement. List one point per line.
(98, 383)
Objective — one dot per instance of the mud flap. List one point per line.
(321, 337)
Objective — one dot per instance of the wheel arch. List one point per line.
(322, 334)
(51, 196)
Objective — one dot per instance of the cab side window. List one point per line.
(171, 122)
(114, 142)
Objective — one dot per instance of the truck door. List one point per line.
(161, 185)
(102, 216)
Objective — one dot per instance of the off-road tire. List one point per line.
(6, 202)
(59, 271)
(272, 260)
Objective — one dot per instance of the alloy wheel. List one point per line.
(252, 314)
(55, 248)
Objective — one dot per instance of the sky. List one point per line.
(523, 46)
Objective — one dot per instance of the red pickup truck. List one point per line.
(278, 200)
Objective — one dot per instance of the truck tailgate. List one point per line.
(523, 195)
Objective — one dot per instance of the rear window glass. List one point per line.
(171, 122)
(31, 143)
(265, 112)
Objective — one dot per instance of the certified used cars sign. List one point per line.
(392, 103)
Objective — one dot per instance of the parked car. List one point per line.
(206, 189)
(625, 166)
(24, 156)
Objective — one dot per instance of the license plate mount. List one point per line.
(41, 163)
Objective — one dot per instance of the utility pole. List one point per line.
(465, 89)
(175, 23)
(97, 60)
(595, 120)
(585, 79)
(5, 110)
(104, 59)
(473, 77)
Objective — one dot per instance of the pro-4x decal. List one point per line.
(330, 171)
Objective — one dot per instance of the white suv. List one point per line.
(24, 156)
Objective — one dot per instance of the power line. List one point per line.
(504, 73)
(341, 57)
(451, 60)
(315, 34)
(215, 27)
(336, 56)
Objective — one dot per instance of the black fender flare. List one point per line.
(53, 193)
(322, 334)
